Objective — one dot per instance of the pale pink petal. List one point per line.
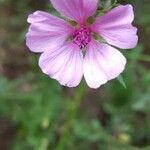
(116, 28)
(64, 64)
(93, 73)
(78, 10)
(46, 32)
(102, 63)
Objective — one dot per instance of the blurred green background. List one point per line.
(36, 113)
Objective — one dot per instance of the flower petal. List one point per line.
(46, 32)
(78, 10)
(102, 63)
(116, 28)
(64, 64)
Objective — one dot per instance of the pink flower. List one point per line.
(71, 52)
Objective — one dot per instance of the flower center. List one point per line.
(82, 37)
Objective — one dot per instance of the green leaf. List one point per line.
(122, 82)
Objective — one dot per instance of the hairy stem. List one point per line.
(71, 117)
(143, 57)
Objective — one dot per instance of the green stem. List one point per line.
(72, 114)
(145, 58)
